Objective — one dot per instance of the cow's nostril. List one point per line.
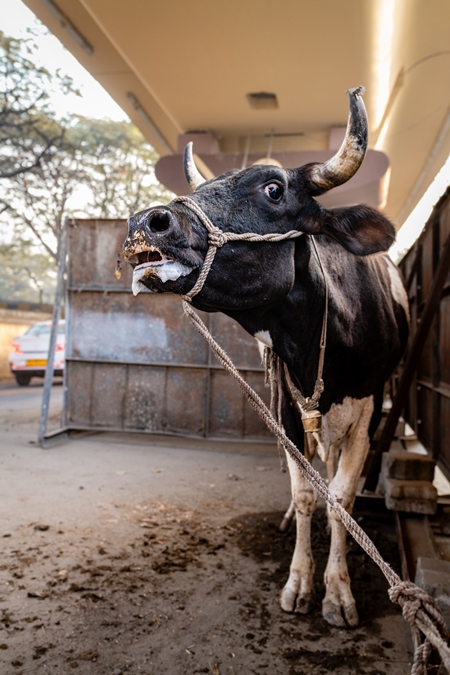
(159, 221)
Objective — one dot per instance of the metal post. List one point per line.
(59, 294)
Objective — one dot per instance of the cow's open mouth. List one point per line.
(152, 264)
(150, 257)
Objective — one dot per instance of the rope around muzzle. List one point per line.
(419, 609)
(218, 238)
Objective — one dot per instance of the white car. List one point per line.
(29, 352)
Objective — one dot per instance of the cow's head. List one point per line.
(166, 245)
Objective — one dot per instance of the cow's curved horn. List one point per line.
(193, 175)
(346, 162)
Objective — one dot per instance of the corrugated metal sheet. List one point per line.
(137, 363)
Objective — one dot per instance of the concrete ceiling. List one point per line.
(178, 67)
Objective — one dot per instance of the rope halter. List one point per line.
(218, 238)
(419, 609)
(311, 417)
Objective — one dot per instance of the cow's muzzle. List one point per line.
(151, 222)
(144, 249)
(159, 221)
(146, 233)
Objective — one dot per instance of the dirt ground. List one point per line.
(164, 557)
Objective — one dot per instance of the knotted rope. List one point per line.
(418, 608)
(217, 238)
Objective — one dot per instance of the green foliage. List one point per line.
(28, 129)
(118, 167)
(53, 168)
(25, 274)
(100, 169)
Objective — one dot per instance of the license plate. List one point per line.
(37, 362)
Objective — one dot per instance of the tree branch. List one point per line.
(34, 230)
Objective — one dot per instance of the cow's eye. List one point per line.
(273, 191)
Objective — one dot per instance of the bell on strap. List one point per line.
(312, 421)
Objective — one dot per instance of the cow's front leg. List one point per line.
(339, 606)
(298, 593)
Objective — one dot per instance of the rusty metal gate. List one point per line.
(137, 363)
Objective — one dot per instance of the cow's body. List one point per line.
(276, 291)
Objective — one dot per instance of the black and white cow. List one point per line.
(276, 291)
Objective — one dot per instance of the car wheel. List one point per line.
(22, 379)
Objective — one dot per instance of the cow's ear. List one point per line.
(359, 229)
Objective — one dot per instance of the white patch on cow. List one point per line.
(336, 424)
(344, 441)
(347, 456)
(264, 337)
(170, 270)
(397, 289)
(297, 594)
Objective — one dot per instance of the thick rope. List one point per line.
(309, 403)
(418, 608)
(217, 238)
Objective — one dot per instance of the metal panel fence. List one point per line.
(428, 405)
(137, 363)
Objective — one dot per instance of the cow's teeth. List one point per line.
(138, 287)
(153, 263)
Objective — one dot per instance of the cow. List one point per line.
(330, 291)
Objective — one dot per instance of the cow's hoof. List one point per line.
(287, 599)
(332, 614)
(351, 615)
(290, 601)
(304, 604)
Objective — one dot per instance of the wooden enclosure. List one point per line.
(426, 271)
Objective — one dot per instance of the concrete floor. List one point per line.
(107, 486)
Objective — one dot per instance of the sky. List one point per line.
(94, 100)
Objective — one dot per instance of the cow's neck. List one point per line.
(293, 325)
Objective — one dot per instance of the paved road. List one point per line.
(21, 405)
(10, 391)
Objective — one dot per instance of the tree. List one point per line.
(28, 129)
(100, 169)
(34, 203)
(26, 274)
(76, 167)
(118, 168)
